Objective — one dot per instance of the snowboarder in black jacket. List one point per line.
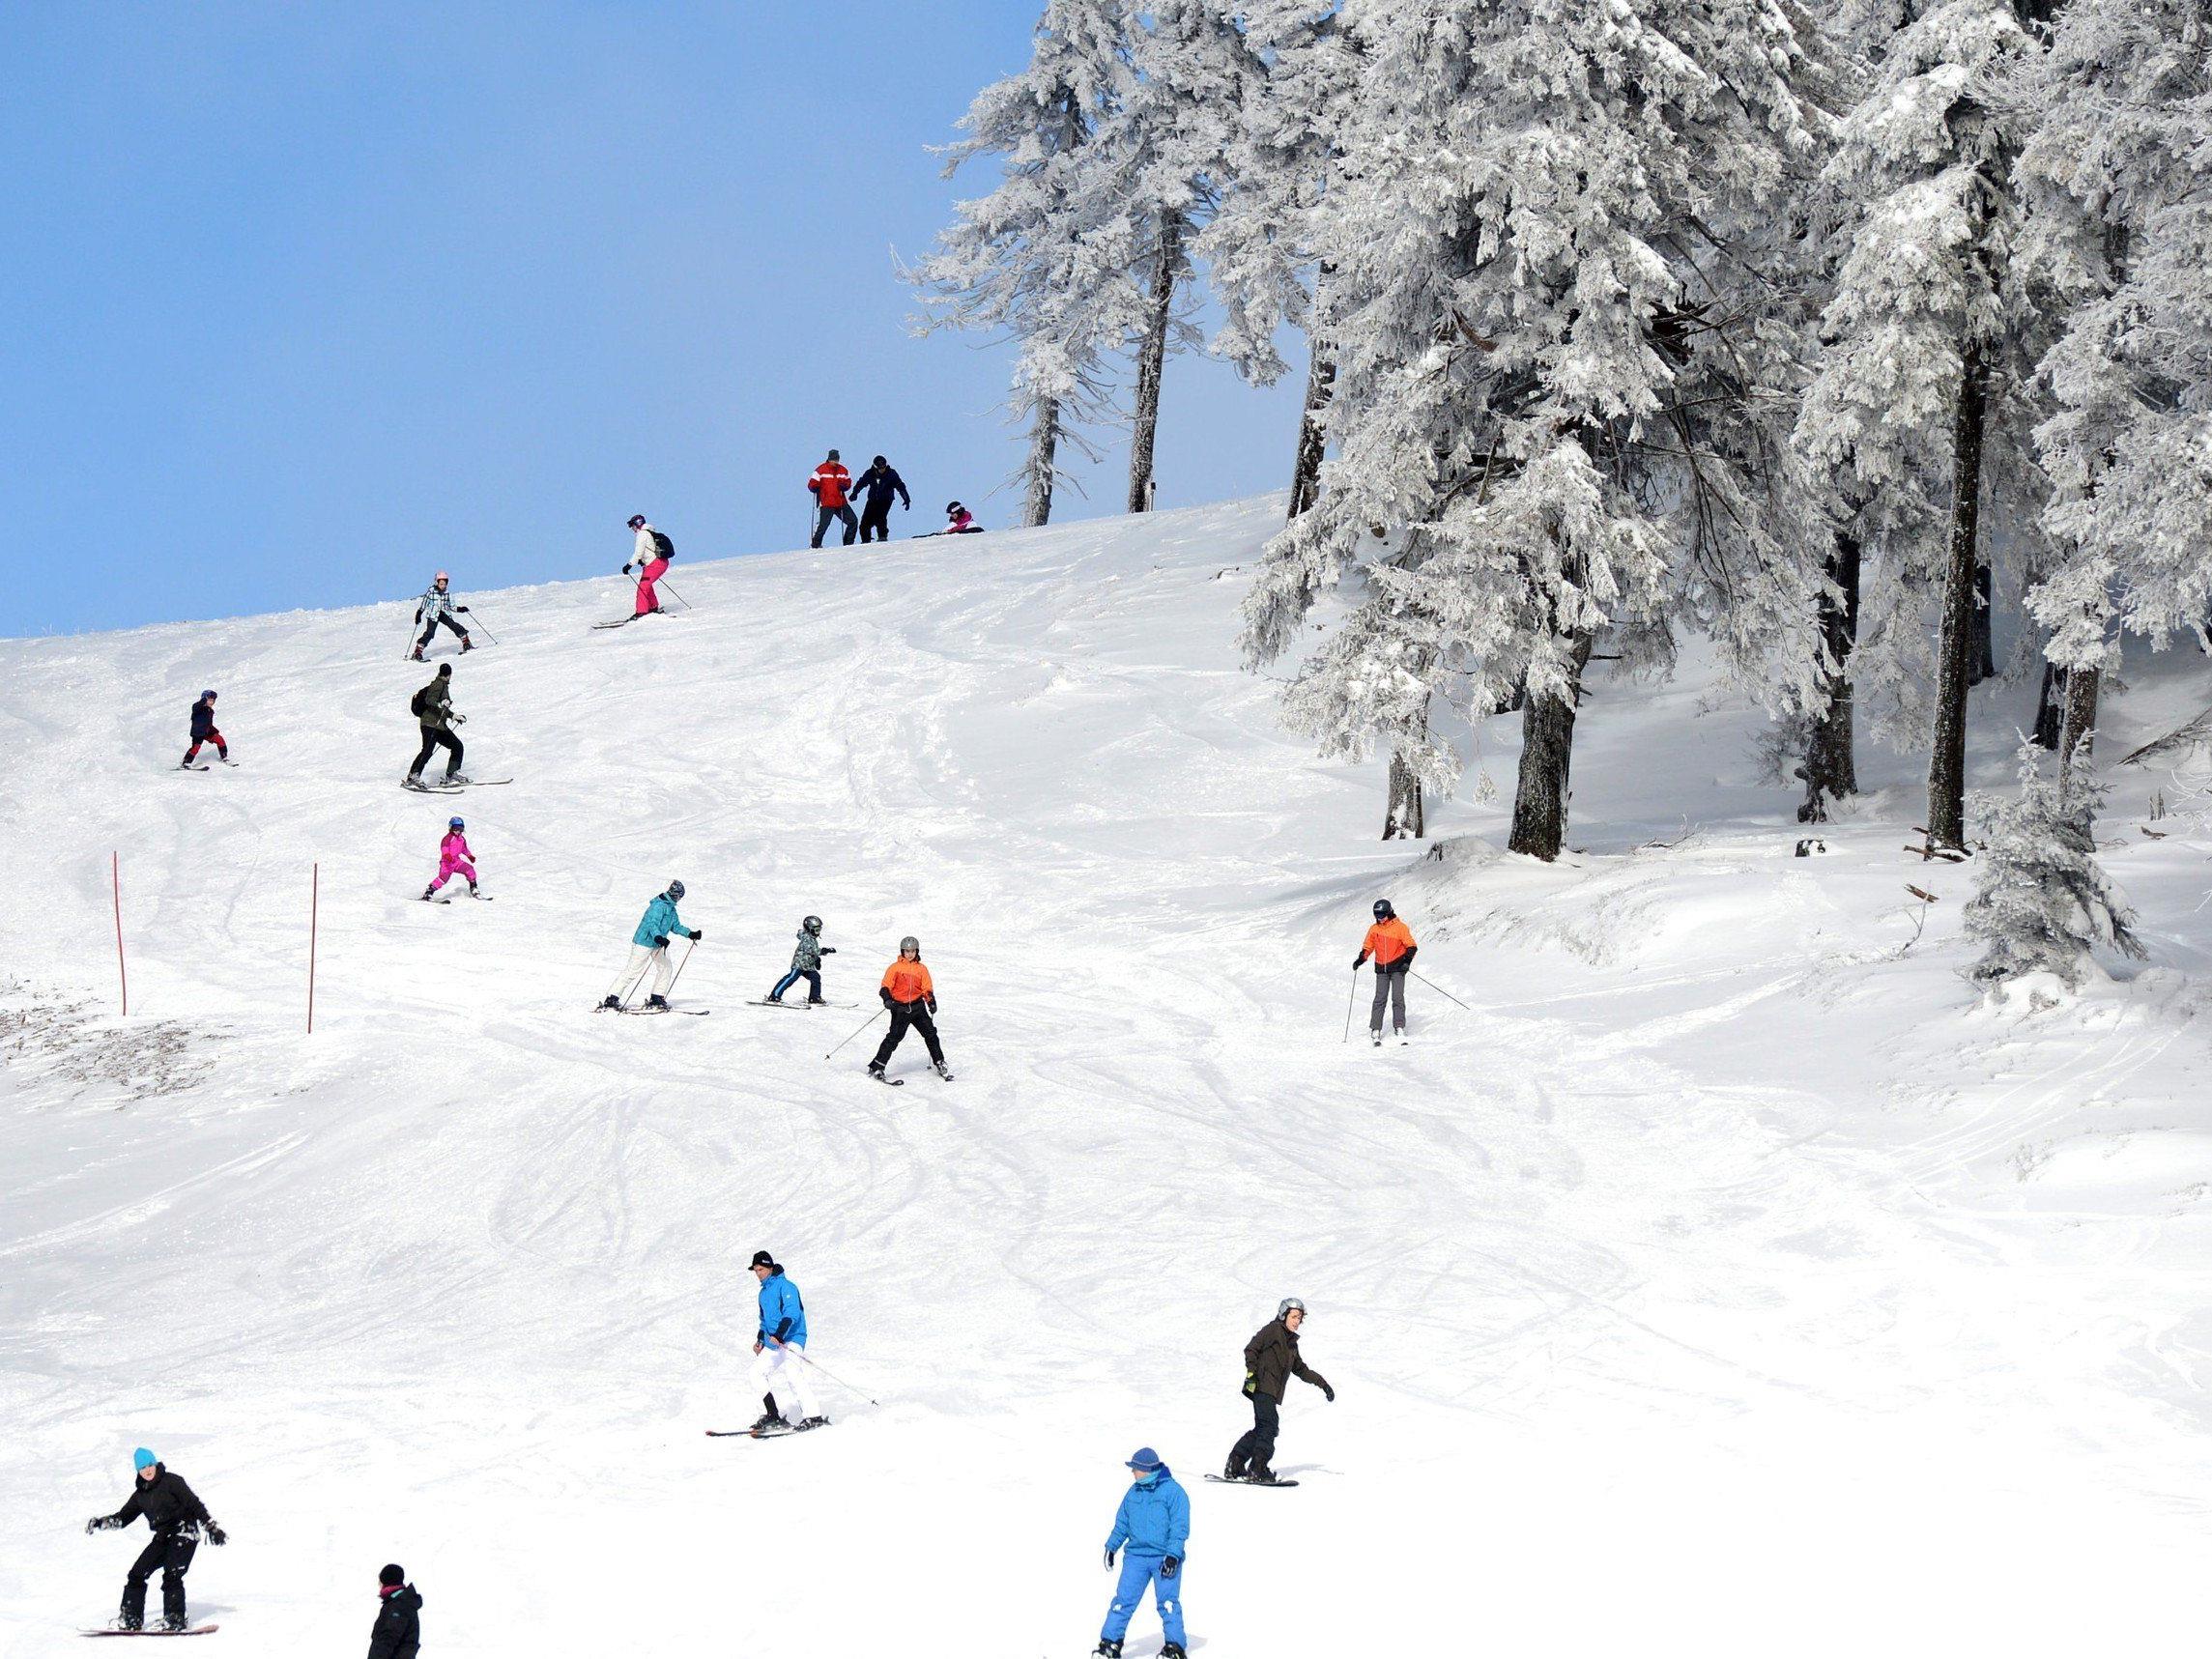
(1271, 1360)
(398, 1630)
(882, 481)
(177, 1518)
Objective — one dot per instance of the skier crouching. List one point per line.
(913, 998)
(453, 856)
(204, 730)
(1271, 1360)
(779, 1351)
(806, 963)
(177, 1517)
(1154, 1521)
(648, 948)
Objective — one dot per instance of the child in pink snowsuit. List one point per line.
(453, 854)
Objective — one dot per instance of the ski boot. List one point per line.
(1173, 1650)
(774, 998)
(817, 1002)
(430, 893)
(472, 892)
(1260, 1476)
(466, 648)
(943, 1070)
(613, 1002)
(1377, 1035)
(454, 780)
(657, 1002)
(813, 1423)
(1230, 1471)
(416, 655)
(875, 1070)
(1107, 1649)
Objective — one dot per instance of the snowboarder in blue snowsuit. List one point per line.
(1154, 1522)
(648, 948)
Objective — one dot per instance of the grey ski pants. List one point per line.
(1390, 987)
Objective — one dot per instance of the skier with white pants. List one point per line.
(779, 1351)
(648, 948)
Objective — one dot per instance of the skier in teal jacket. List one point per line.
(1154, 1522)
(648, 948)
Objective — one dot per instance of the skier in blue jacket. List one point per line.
(779, 1351)
(1154, 1522)
(648, 948)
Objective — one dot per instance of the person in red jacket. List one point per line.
(909, 992)
(832, 485)
(1390, 941)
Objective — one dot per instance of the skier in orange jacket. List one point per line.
(912, 997)
(1390, 941)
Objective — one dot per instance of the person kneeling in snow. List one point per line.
(779, 1351)
(453, 854)
(1154, 1521)
(648, 948)
(958, 521)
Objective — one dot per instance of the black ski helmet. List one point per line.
(1383, 910)
(637, 520)
(880, 462)
(813, 924)
(910, 943)
(676, 890)
(951, 507)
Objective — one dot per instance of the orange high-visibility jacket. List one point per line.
(1387, 941)
(907, 981)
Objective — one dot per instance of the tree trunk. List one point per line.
(1044, 446)
(1151, 360)
(1404, 819)
(2081, 727)
(1985, 642)
(1547, 744)
(2050, 707)
(1306, 476)
(1947, 758)
(1831, 769)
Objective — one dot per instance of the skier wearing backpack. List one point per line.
(909, 992)
(397, 1633)
(436, 606)
(433, 707)
(454, 855)
(1154, 1522)
(806, 963)
(651, 554)
(648, 948)
(204, 731)
(1390, 941)
(779, 1350)
(1271, 1360)
(177, 1518)
(879, 483)
(831, 484)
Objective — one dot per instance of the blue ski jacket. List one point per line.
(660, 918)
(783, 1316)
(1154, 1518)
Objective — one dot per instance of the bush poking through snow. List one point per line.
(2044, 906)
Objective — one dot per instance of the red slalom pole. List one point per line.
(115, 877)
(314, 912)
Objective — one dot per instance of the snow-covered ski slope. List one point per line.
(1724, 1282)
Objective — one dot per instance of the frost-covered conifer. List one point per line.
(2044, 905)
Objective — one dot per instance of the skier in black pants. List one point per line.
(880, 483)
(177, 1518)
(911, 997)
(1271, 1360)
(398, 1630)
(433, 707)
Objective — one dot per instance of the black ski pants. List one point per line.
(170, 1554)
(1255, 1452)
(875, 520)
(823, 516)
(430, 629)
(917, 1016)
(432, 737)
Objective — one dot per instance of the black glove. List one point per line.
(885, 994)
(932, 1005)
(697, 934)
(1328, 1393)
(1110, 1560)
(418, 612)
(829, 950)
(1405, 963)
(660, 941)
(1360, 960)
(1169, 1567)
(216, 1535)
(463, 609)
(625, 570)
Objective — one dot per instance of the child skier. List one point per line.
(453, 854)
(1154, 1521)
(648, 948)
(1271, 1360)
(397, 1633)
(779, 1350)
(1390, 941)
(435, 606)
(176, 1517)
(958, 521)
(806, 963)
(910, 997)
(204, 731)
(651, 554)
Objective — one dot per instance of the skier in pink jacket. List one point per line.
(453, 854)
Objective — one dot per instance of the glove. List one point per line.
(829, 950)
(216, 1535)
(99, 1524)
(1360, 960)
(1110, 1560)
(885, 994)
(1169, 1567)
(697, 934)
(660, 941)
(463, 609)
(1328, 1393)
(418, 612)
(1405, 963)
(932, 1005)
(625, 570)
(459, 719)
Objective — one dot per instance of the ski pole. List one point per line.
(680, 966)
(674, 594)
(1439, 989)
(871, 1020)
(479, 622)
(839, 1381)
(1350, 1003)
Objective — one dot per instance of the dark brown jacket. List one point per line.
(1271, 1360)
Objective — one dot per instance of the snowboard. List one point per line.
(192, 1630)
(1225, 1480)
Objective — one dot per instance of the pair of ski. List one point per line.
(447, 897)
(626, 621)
(778, 1002)
(776, 1432)
(900, 1082)
(642, 1012)
(452, 789)
(183, 766)
(157, 1630)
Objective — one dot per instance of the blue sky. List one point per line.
(306, 301)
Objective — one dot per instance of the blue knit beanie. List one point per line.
(143, 1459)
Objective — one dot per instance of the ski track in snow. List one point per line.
(1725, 1279)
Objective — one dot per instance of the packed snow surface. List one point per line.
(1726, 1277)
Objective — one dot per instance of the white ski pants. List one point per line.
(634, 971)
(781, 1372)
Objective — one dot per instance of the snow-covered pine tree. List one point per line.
(2115, 183)
(2043, 904)
(1919, 321)
(1046, 256)
(1536, 308)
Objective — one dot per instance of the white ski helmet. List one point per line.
(1287, 1305)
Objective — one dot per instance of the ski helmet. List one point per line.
(442, 577)
(676, 890)
(1288, 1306)
(205, 694)
(637, 520)
(1383, 910)
(880, 462)
(813, 924)
(910, 943)
(455, 822)
(951, 507)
